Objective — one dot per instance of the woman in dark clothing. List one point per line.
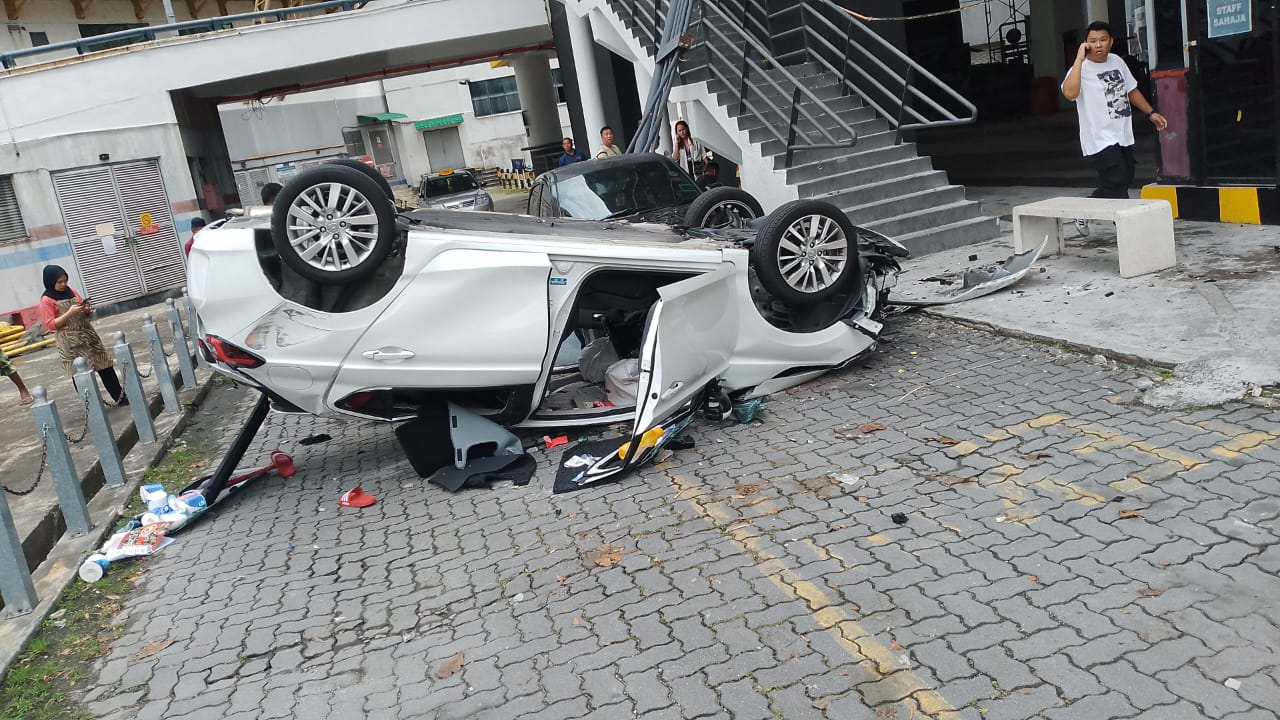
(67, 314)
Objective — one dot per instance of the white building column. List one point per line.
(584, 59)
(537, 97)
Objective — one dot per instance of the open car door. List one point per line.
(689, 338)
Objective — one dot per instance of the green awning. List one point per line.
(380, 117)
(438, 122)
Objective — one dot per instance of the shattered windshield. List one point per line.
(616, 191)
(448, 185)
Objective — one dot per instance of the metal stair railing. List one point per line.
(897, 87)
(151, 33)
(719, 51)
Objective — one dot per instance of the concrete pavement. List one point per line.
(1068, 550)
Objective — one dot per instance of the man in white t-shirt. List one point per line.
(607, 149)
(1105, 94)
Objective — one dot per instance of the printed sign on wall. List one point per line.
(1229, 17)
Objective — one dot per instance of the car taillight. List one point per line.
(232, 355)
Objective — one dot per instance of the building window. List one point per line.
(11, 225)
(558, 82)
(90, 30)
(39, 39)
(491, 97)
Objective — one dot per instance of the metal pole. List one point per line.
(57, 456)
(15, 577)
(193, 324)
(160, 365)
(104, 440)
(133, 390)
(237, 450)
(791, 129)
(180, 347)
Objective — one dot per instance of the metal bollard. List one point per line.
(134, 391)
(180, 347)
(193, 324)
(57, 457)
(104, 440)
(160, 365)
(16, 588)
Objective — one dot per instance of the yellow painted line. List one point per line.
(1243, 444)
(964, 448)
(1110, 438)
(1168, 193)
(838, 622)
(878, 540)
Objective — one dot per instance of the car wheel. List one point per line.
(806, 252)
(333, 225)
(722, 207)
(371, 172)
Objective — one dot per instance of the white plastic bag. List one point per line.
(596, 358)
(622, 382)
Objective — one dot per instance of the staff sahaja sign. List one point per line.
(1229, 17)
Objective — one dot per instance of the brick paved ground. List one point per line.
(1067, 554)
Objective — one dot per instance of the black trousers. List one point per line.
(1116, 168)
(111, 382)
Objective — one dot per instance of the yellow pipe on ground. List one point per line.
(29, 348)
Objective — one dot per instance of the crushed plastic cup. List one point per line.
(848, 479)
(94, 567)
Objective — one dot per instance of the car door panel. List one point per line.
(469, 319)
(689, 339)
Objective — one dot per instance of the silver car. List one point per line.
(453, 190)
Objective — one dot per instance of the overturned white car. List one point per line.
(340, 307)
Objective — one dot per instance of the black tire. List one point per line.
(722, 207)
(320, 242)
(806, 252)
(372, 173)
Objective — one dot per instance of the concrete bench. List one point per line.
(1144, 229)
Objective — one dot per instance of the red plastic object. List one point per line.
(356, 497)
(555, 441)
(281, 462)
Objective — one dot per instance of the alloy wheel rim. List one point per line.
(728, 214)
(812, 253)
(332, 226)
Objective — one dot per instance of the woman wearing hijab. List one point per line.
(67, 314)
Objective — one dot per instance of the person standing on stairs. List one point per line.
(1105, 94)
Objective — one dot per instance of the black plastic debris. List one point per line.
(898, 518)
(973, 258)
(684, 442)
(1108, 294)
(315, 439)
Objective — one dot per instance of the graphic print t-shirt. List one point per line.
(1103, 106)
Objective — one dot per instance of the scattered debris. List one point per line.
(581, 461)
(518, 597)
(745, 489)
(847, 479)
(943, 440)
(551, 442)
(1233, 683)
(150, 649)
(1150, 592)
(314, 439)
(356, 497)
(822, 703)
(1109, 293)
(978, 282)
(450, 667)
(899, 518)
(1129, 514)
(1036, 456)
(868, 428)
(606, 556)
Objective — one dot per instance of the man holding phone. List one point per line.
(1105, 94)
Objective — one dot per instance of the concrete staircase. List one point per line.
(880, 183)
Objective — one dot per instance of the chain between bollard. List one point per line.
(44, 454)
(140, 373)
(84, 430)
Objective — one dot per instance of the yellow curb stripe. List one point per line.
(835, 620)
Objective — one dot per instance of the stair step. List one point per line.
(730, 91)
(854, 196)
(849, 109)
(868, 175)
(762, 136)
(777, 149)
(953, 235)
(903, 204)
(861, 157)
(925, 218)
